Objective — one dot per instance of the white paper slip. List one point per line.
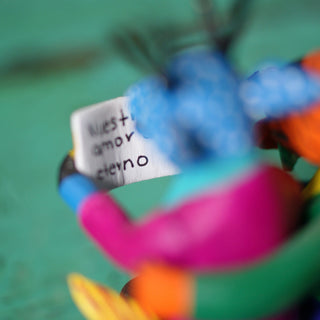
(108, 148)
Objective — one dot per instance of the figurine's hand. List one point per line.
(73, 186)
(164, 290)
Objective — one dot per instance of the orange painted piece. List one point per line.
(311, 62)
(303, 132)
(172, 291)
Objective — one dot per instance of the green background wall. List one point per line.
(55, 58)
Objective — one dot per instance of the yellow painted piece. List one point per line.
(313, 187)
(97, 302)
(71, 153)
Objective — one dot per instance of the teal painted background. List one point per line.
(55, 58)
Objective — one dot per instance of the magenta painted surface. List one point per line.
(220, 229)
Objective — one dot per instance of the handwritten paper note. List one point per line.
(109, 149)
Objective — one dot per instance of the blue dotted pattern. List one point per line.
(198, 115)
(277, 91)
(205, 111)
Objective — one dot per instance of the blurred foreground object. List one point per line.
(99, 303)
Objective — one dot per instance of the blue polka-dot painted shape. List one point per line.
(277, 91)
(206, 111)
(197, 115)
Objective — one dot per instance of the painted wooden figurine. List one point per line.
(227, 210)
(223, 244)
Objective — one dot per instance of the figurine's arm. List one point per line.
(129, 243)
(100, 216)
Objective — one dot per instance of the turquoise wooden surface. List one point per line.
(40, 239)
